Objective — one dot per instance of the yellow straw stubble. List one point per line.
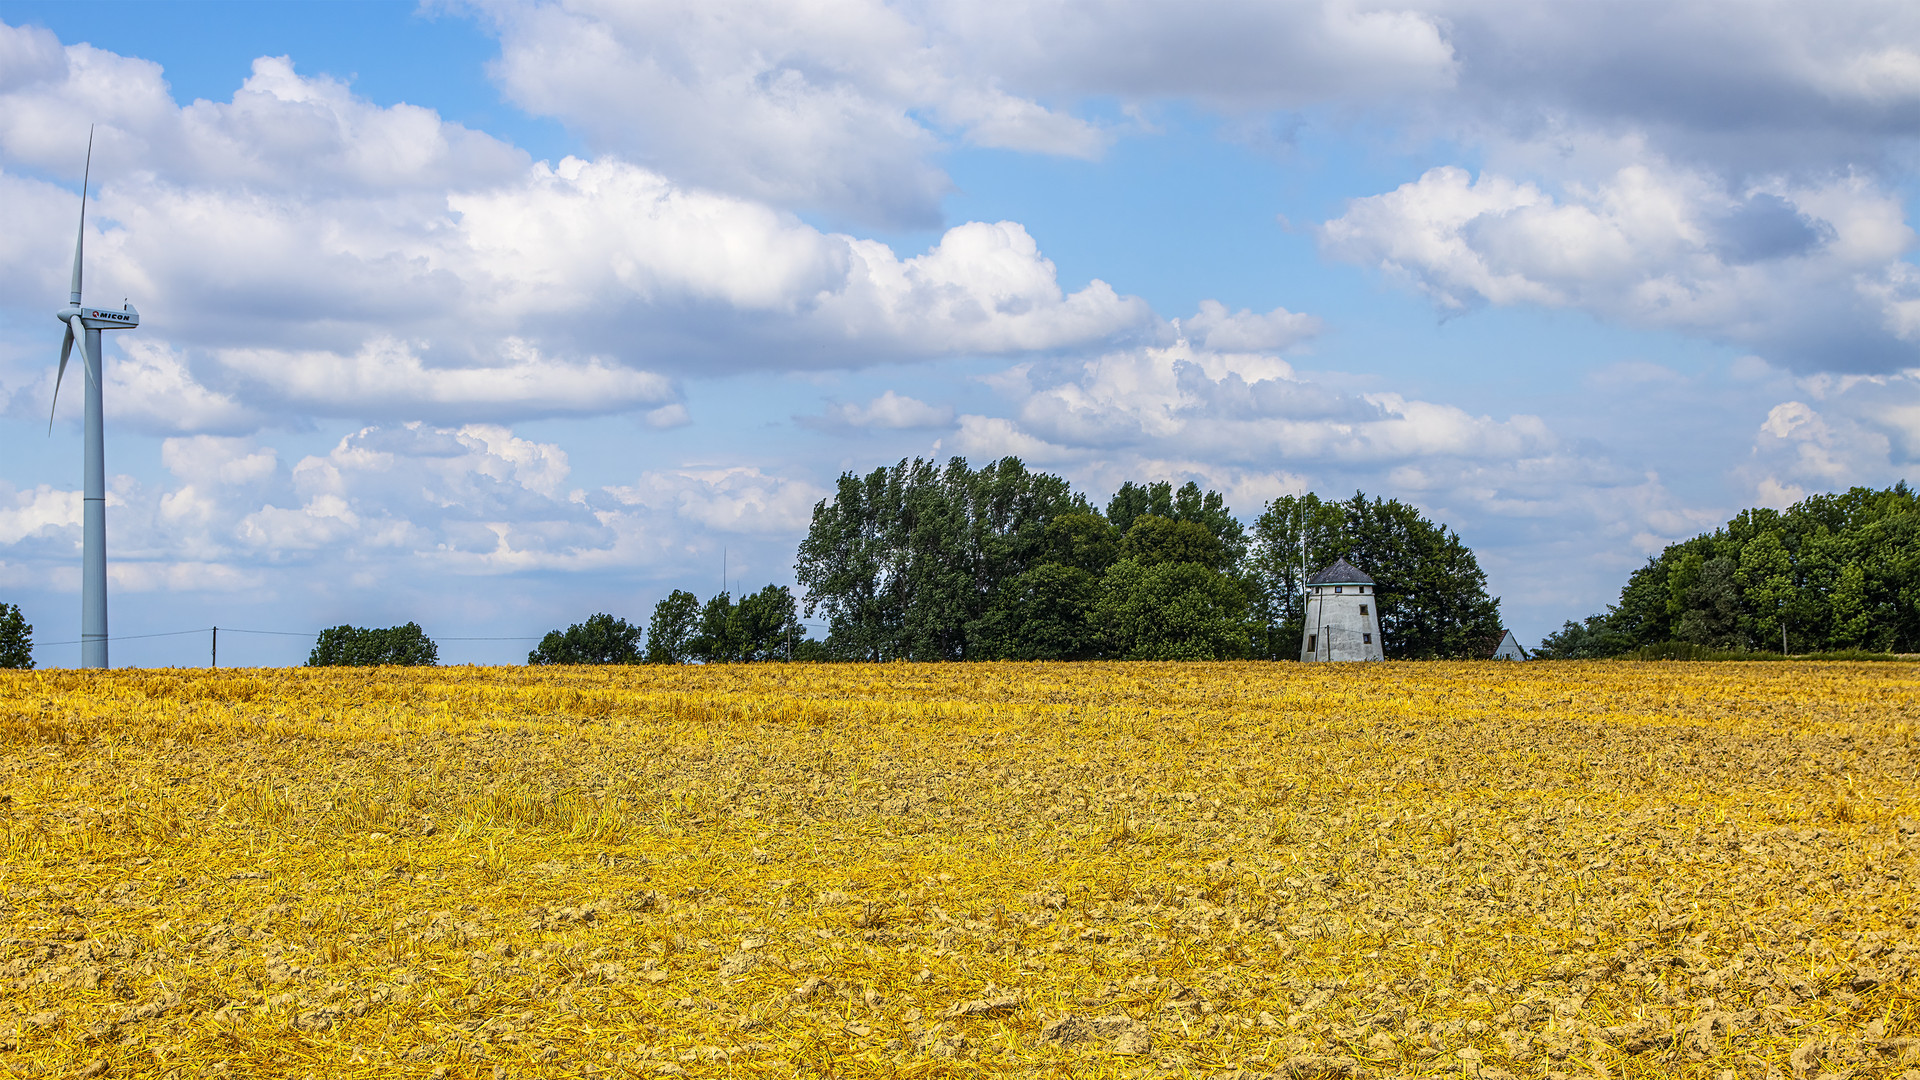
(1080, 870)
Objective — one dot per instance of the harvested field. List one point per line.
(1053, 870)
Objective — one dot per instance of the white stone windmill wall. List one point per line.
(1343, 616)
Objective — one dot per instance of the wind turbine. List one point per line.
(83, 328)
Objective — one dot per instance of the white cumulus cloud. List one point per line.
(1843, 431)
(301, 251)
(727, 499)
(837, 105)
(1219, 330)
(1809, 274)
(388, 377)
(890, 410)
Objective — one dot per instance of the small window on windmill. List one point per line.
(1313, 642)
(1337, 588)
(1363, 609)
(1366, 639)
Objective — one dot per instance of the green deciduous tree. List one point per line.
(1171, 611)
(1850, 621)
(602, 639)
(1153, 540)
(16, 638)
(1704, 598)
(1765, 578)
(766, 626)
(712, 641)
(354, 646)
(1045, 616)
(1084, 541)
(761, 627)
(671, 630)
(1279, 568)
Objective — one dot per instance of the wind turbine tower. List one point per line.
(83, 328)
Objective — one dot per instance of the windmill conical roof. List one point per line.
(1341, 572)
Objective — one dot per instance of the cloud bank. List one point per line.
(300, 251)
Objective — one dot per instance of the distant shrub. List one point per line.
(16, 638)
(1588, 640)
(815, 651)
(1687, 650)
(1854, 654)
(355, 646)
(602, 639)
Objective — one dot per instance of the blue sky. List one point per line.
(492, 316)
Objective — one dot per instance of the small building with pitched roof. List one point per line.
(1509, 648)
(1343, 616)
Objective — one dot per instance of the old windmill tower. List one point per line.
(1343, 616)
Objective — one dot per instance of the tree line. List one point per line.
(1832, 572)
(760, 627)
(930, 562)
(923, 562)
(363, 646)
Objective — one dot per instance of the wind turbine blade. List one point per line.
(79, 334)
(80, 241)
(86, 359)
(66, 350)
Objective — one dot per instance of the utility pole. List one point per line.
(1300, 527)
(216, 647)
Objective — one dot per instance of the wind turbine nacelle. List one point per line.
(109, 318)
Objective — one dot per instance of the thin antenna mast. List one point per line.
(1300, 529)
(1300, 514)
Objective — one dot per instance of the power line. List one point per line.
(316, 633)
(120, 637)
(308, 634)
(273, 633)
